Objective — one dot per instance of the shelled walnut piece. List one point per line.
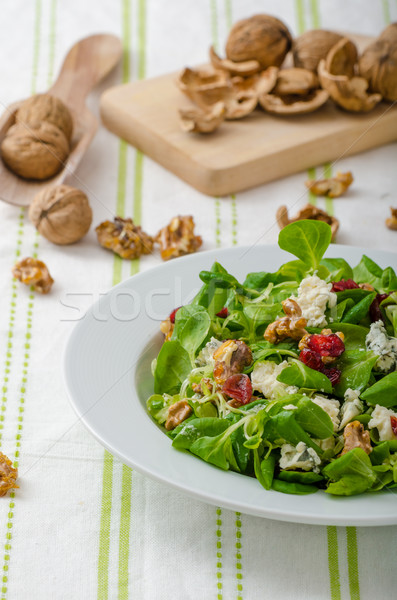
(177, 413)
(33, 272)
(177, 238)
(124, 238)
(333, 187)
(307, 212)
(356, 437)
(35, 150)
(8, 475)
(391, 222)
(291, 326)
(61, 214)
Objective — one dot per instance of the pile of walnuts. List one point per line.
(38, 144)
(326, 65)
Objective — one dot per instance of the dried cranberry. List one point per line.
(374, 310)
(238, 387)
(393, 423)
(172, 315)
(223, 313)
(344, 284)
(311, 359)
(326, 345)
(332, 373)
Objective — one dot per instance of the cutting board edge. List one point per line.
(223, 181)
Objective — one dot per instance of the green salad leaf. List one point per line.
(308, 240)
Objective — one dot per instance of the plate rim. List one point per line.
(214, 499)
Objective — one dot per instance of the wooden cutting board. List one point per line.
(240, 154)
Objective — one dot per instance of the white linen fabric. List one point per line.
(82, 525)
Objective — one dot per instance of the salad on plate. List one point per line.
(290, 376)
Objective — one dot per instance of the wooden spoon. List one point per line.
(87, 62)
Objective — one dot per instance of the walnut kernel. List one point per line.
(34, 272)
(177, 238)
(391, 222)
(177, 413)
(8, 475)
(291, 326)
(124, 238)
(356, 437)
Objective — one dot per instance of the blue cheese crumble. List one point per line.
(264, 380)
(299, 457)
(351, 408)
(383, 346)
(380, 419)
(314, 297)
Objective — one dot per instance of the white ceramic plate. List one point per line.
(108, 377)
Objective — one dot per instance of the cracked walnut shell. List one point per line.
(177, 238)
(61, 214)
(124, 238)
(349, 93)
(312, 46)
(262, 38)
(333, 187)
(202, 120)
(307, 212)
(34, 272)
(378, 64)
(293, 104)
(8, 475)
(44, 107)
(342, 58)
(34, 151)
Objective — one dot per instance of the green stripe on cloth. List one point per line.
(126, 486)
(219, 584)
(108, 462)
(316, 23)
(234, 220)
(300, 16)
(29, 315)
(10, 330)
(386, 12)
(352, 563)
(105, 521)
(333, 562)
(239, 566)
(124, 535)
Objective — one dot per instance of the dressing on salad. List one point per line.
(289, 377)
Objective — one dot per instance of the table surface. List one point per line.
(83, 525)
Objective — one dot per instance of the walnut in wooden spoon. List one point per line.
(87, 62)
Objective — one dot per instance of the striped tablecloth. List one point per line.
(83, 525)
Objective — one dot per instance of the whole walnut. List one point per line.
(34, 151)
(61, 214)
(378, 64)
(262, 38)
(312, 46)
(44, 107)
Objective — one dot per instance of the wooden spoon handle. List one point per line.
(86, 63)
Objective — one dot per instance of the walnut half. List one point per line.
(391, 222)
